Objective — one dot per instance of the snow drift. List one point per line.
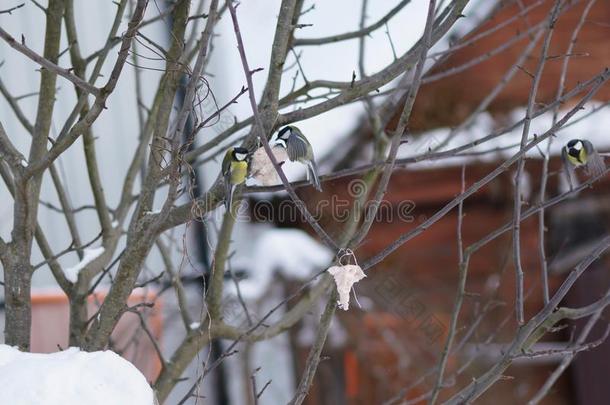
(70, 377)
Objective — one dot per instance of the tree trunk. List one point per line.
(17, 283)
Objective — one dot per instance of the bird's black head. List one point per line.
(240, 154)
(284, 133)
(574, 147)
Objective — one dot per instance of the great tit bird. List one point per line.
(234, 171)
(581, 153)
(298, 149)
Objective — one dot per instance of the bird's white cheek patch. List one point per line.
(279, 142)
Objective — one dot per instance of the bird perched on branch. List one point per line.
(234, 171)
(581, 153)
(299, 150)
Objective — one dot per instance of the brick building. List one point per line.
(398, 335)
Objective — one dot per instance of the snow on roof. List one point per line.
(290, 252)
(591, 123)
(593, 128)
(70, 377)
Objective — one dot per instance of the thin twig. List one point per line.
(459, 298)
(10, 10)
(521, 163)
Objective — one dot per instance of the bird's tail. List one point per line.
(312, 174)
(229, 190)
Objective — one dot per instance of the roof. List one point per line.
(592, 124)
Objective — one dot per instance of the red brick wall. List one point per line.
(448, 101)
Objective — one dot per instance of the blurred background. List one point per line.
(394, 335)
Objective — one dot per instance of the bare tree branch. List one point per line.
(44, 62)
(362, 32)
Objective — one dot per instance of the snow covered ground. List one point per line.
(70, 377)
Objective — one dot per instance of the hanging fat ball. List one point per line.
(261, 167)
(581, 153)
(298, 149)
(234, 171)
